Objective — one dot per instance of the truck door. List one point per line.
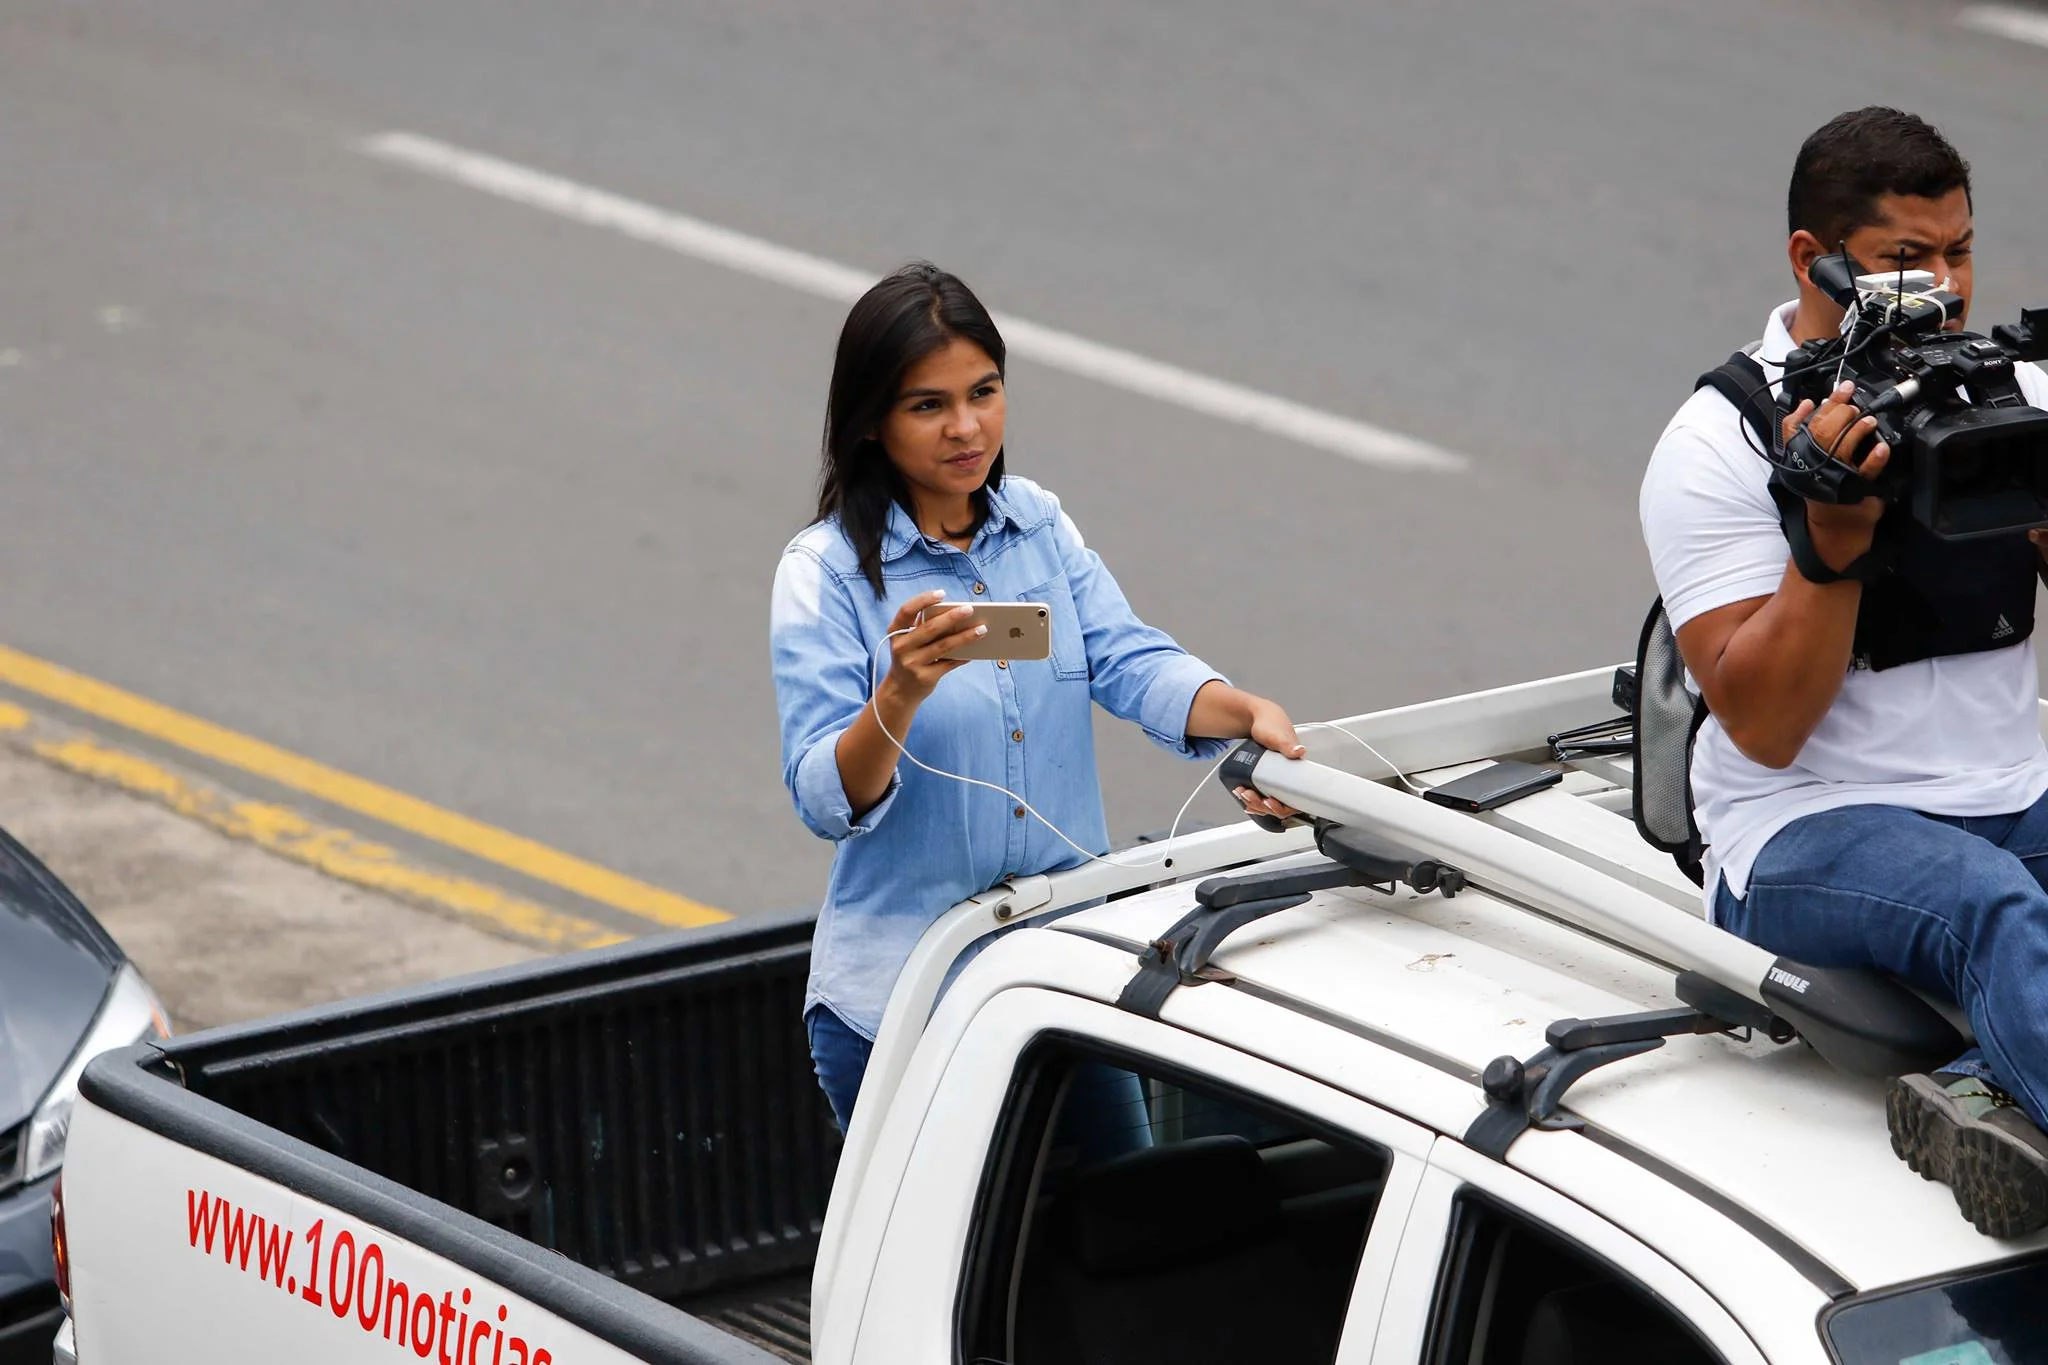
(1088, 1187)
(1496, 1268)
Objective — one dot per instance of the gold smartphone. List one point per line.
(1017, 631)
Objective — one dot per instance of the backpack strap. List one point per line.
(1742, 381)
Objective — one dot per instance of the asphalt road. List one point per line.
(483, 505)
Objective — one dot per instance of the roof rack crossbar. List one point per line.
(1861, 1021)
(1180, 956)
(1537, 877)
(1711, 997)
(1523, 1095)
(1222, 893)
(1381, 862)
(1223, 905)
(1576, 1035)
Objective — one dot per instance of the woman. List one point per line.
(917, 522)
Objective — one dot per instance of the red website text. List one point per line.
(345, 1274)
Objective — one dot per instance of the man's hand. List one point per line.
(1842, 532)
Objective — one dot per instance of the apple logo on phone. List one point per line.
(1016, 632)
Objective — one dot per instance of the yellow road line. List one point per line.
(315, 779)
(285, 832)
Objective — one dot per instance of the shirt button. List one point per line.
(1017, 735)
(980, 588)
(1002, 663)
(1019, 812)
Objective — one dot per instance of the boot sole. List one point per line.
(1923, 1122)
(2000, 1184)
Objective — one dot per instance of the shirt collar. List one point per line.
(902, 532)
(1777, 342)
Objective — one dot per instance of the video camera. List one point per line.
(1968, 455)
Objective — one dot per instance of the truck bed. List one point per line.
(647, 1111)
(774, 1315)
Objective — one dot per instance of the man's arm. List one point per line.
(1770, 667)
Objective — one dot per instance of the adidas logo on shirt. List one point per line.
(2002, 629)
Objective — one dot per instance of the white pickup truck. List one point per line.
(1411, 1084)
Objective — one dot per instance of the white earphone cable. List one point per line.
(1356, 739)
(1165, 858)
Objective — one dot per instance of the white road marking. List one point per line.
(2008, 21)
(825, 279)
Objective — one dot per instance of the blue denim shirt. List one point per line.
(932, 842)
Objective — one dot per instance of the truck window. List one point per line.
(1132, 1214)
(1990, 1316)
(1514, 1293)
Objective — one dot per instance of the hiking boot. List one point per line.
(1974, 1138)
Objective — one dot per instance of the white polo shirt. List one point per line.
(1951, 736)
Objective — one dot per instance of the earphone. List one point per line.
(1165, 858)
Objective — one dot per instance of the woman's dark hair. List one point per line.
(1854, 159)
(903, 319)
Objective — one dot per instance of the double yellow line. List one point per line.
(345, 854)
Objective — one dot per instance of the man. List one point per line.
(1880, 808)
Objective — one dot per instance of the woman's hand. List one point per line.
(1270, 729)
(917, 658)
(1221, 711)
(868, 750)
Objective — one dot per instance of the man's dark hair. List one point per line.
(1858, 157)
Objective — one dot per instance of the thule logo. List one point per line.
(1789, 981)
(2002, 630)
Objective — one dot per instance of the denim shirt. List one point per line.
(931, 842)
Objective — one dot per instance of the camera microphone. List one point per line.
(1836, 276)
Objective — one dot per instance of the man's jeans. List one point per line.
(1957, 907)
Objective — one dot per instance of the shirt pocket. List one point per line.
(1069, 646)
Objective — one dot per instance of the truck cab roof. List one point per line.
(1792, 1145)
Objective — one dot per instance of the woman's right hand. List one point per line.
(917, 658)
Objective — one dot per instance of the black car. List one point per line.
(66, 994)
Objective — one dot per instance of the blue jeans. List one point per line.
(1957, 907)
(840, 1057)
(1105, 1113)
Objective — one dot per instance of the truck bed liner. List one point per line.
(648, 1110)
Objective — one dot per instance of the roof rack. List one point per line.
(1862, 1022)
(1523, 1095)
(1223, 905)
(1419, 738)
